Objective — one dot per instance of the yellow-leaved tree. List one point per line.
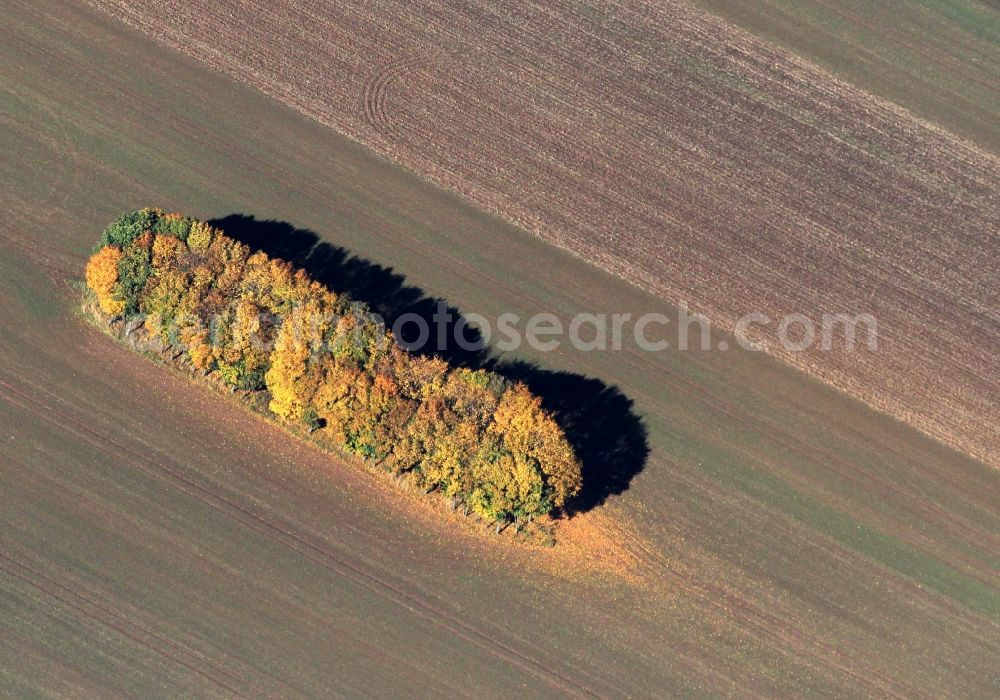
(532, 435)
(292, 378)
(200, 236)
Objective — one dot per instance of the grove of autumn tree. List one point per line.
(258, 324)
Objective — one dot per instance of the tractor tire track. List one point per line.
(375, 97)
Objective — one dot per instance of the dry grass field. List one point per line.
(684, 155)
(157, 540)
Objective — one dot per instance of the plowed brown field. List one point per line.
(937, 59)
(674, 150)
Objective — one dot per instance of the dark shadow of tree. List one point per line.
(598, 419)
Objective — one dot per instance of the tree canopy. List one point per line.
(259, 324)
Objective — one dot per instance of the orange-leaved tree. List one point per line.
(102, 276)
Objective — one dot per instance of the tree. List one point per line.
(128, 227)
(294, 375)
(199, 236)
(247, 345)
(173, 225)
(532, 435)
(102, 276)
(133, 271)
(286, 378)
(506, 484)
(165, 292)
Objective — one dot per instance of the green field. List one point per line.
(937, 58)
(158, 540)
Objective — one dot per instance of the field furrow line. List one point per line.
(16, 570)
(318, 554)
